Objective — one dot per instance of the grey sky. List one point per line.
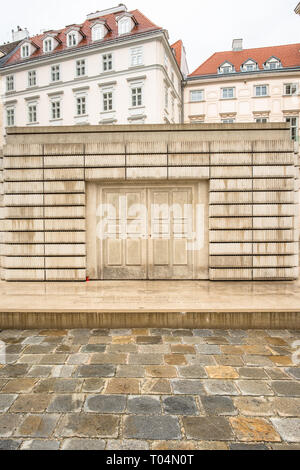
(206, 26)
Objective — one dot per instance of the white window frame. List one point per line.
(273, 61)
(136, 56)
(166, 97)
(136, 95)
(32, 78)
(292, 86)
(98, 32)
(107, 100)
(225, 91)
(228, 121)
(25, 51)
(80, 66)
(81, 105)
(294, 127)
(261, 120)
(259, 95)
(72, 39)
(10, 116)
(55, 69)
(55, 111)
(124, 26)
(107, 59)
(48, 45)
(223, 68)
(10, 83)
(31, 112)
(199, 96)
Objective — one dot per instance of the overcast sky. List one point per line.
(205, 26)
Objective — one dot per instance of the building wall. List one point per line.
(244, 107)
(153, 75)
(252, 193)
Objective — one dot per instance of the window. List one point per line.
(226, 68)
(196, 95)
(228, 121)
(25, 51)
(55, 73)
(10, 83)
(136, 96)
(136, 56)
(97, 32)
(32, 113)
(250, 67)
(55, 109)
(273, 64)
(291, 89)
(80, 68)
(81, 105)
(72, 39)
(261, 120)
(10, 117)
(32, 78)
(227, 93)
(293, 121)
(166, 97)
(48, 45)
(261, 90)
(124, 26)
(107, 62)
(107, 101)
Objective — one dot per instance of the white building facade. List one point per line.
(115, 68)
(257, 85)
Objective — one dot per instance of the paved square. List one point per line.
(156, 389)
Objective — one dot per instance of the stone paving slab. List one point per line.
(155, 389)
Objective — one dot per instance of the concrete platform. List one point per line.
(141, 304)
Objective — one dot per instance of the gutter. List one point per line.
(242, 74)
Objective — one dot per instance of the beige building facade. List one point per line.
(212, 202)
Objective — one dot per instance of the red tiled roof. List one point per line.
(289, 56)
(144, 25)
(177, 47)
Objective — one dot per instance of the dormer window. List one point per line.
(272, 64)
(48, 45)
(249, 66)
(126, 23)
(97, 32)
(226, 68)
(72, 39)
(25, 51)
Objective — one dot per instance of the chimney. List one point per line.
(237, 45)
(119, 9)
(19, 34)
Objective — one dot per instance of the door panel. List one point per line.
(147, 232)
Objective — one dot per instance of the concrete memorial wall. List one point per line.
(244, 178)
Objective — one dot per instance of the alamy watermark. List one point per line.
(160, 221)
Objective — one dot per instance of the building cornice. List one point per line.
(83, 50)
(258, 74)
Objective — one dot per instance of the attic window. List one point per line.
(125, 26)
(25, 52)
(48, 45)
(272, 64)
(249, 66)
(226, 68)
(72, 39)
(97, 32)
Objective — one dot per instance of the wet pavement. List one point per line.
(149, 389)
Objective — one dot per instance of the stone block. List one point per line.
(17, 149)
(96, 161)
(64, 237)
(230, 223)
(64, 224)
(104, 174)
(24, 275)
(65, 250)
(23, 175)
(147, 173)
(188, 147)
(230, 184)
(60, 161)
(230, 236)
(63, 149)
(272, 184)
(105, 148)
(188, 160)
(231, 197)
(273, 171)
(23, 162)
(231, 171)
(230, 249)
(23, 200)
(188, 173)
(64, 187)
(273, 197)
(230, 274)
(222, 210)
(230, 261)
(20, 187)
(146, 160)
(64, 212)
(64, 174)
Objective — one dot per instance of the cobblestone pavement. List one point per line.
(149, 389)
